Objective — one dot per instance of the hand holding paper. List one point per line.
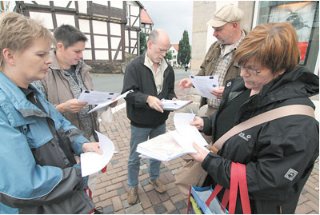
(105, 104)
(176, 143)
(200, 154)
(92, 147)
(174, 104)
(92, 162)
(205, 85)
(97, 97)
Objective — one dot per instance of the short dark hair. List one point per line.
(69, 35)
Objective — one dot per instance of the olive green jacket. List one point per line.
(207, 67)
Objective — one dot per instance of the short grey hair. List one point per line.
(153, 36)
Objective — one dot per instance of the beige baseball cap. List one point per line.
(228, 13)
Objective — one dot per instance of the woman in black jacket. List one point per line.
(279, 155)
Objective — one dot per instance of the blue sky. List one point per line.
(172, 16)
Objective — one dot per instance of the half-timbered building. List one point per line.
(112, 27)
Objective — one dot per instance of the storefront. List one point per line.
(304, 16)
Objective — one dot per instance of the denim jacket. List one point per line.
(29, 181)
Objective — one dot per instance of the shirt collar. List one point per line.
(225, 49)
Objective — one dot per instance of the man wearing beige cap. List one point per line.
(219, 58)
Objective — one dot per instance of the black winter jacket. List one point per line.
(139, 78)
(273, 149)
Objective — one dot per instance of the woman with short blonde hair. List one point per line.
(39, 173)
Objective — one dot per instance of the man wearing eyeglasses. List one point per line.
(219, 58)
(152, 79)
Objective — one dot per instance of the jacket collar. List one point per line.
(18, 98)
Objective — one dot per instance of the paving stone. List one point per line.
(177, 198)
(120, 211)
(108, 209)
(144, 199)
(175, 212)
(302, 199)
(181, 205)
(125, 203)
(303, 209)
(134, 209)
(169, 206)
(314, 206)
(117, 204)
(104, 203)
(108, 195)
(164, 197)
(153, 197)
(149, 211)
(173, 192)
(114, 186)
(159, 209)
(121, 191)
(148, 188)
(144, 171)
(113, 162)
(144, 182)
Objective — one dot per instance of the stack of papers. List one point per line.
(92, 162)
(165, 147)
(205, 84)
(175, 143)
(172, 105)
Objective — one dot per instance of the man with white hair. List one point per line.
(219, 58)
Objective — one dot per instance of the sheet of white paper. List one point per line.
(205, 84)
(174, 104)
(185, 142)
(105, 104)
(183, 118)
(92, 162)
(191, 133)
(97, 97)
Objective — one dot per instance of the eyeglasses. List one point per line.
(250, 70)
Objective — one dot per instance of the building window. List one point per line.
(304, 17)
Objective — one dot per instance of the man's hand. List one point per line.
(197, 122)
(155, 103)
(71, 106)
(218, 91)
(92, 147)
(201, 153)
(185, 83)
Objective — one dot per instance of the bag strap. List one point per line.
(243, 188)
(238, 178)
(215, 192)
(265, 117)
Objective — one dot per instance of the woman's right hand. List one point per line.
(198, 123)
(71, 106)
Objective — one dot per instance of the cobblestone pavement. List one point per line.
(111, 187)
